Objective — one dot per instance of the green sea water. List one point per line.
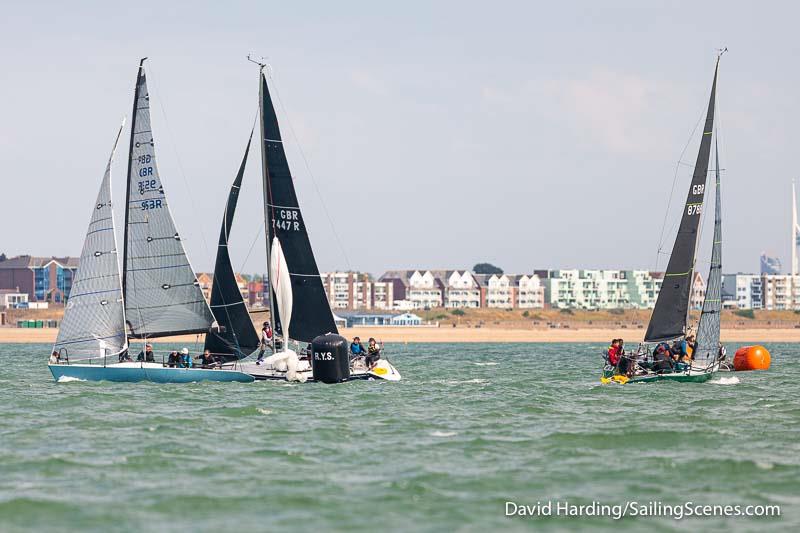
(470, 427)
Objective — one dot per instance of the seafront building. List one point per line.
(206, 281)
(780, 291)
(742, 291)
(28, 281)
(42, 279)
(462, 289)
(356, 290)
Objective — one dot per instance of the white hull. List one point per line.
(382, 370)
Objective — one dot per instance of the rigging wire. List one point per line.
(660, 249)
(173, 146)
(308, 169)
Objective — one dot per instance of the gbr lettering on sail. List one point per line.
(287, 219)
(696, 208)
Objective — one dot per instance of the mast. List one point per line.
(670, 314)
(265, 188)
(794, 232)
(128, 181)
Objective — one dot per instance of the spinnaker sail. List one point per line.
(161, 291)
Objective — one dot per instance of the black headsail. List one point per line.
(311, 312)
(669, 316)
(237, 337)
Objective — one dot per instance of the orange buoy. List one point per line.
(751, 358)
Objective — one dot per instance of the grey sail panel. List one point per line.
(162, 295)
(709, 328)
(94, 320)
(668, 320)
(237, 337)
(311, 312)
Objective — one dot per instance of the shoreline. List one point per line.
(458, 335)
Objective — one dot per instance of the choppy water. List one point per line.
(471, 427)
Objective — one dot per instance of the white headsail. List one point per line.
(281, 283)
(94, 317)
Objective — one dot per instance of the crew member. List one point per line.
(146, 355)
(373, 353)
(266, 341)
(207, 359)
(185, 360)
(356, 348)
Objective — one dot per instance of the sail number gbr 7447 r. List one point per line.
(286, 219)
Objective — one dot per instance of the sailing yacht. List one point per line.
(156, 294)
(669, 321)
(299, 309)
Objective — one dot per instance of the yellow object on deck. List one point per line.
(619, 378)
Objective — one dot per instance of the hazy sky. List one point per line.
(440, 134)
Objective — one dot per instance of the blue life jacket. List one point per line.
(356, 348)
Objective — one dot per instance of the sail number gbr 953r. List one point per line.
(286, 219)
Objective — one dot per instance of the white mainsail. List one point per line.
(94, 317)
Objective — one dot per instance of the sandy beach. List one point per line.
(450, 334)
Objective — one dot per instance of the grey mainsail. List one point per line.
(668, 320)
(162, 295)
(708, 329)
(94, 319)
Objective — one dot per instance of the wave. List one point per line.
(725, 381)
(444, 433)
(67, 379)
(490, 363)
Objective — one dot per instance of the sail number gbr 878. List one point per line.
(696, 208)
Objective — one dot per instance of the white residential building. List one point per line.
(742, 291)
(530, 292)
(611, 289)
(462, 290)
(780, 291)
(353, 290)
(415, 289)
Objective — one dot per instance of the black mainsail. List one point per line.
(311, 313)
(161, 292)
(237, 337)
(672, 306)
(709, 327)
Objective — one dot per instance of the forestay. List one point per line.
(162, 295)
(311, 313)
(669, 316)
(237, 337)
(709, 327)
(94, 320)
